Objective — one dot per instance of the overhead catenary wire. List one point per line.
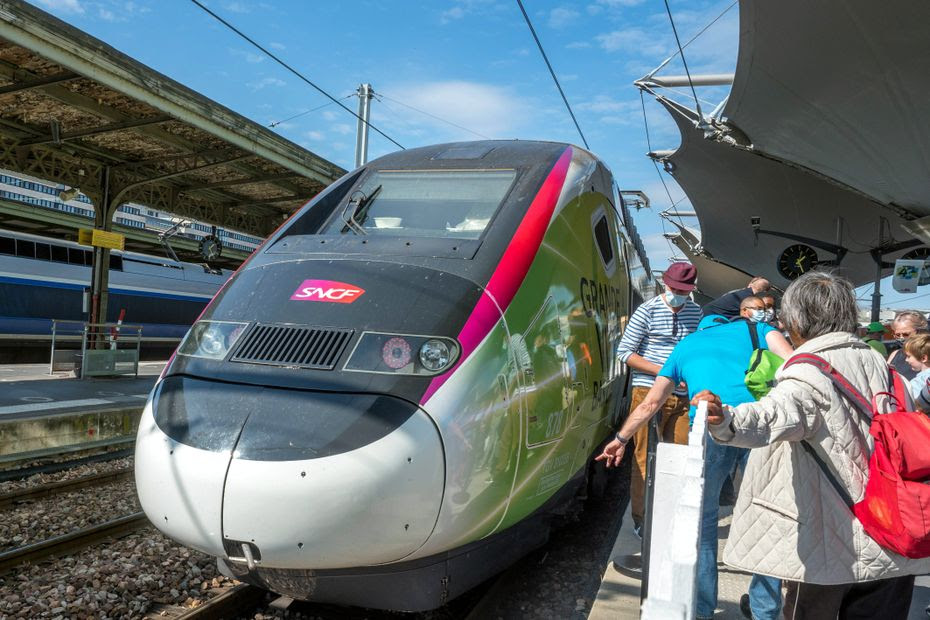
(694, 38)
(305, 112)
(681, 51)
(672, 202)
(433, 116)
(294, 71)
(552, 72)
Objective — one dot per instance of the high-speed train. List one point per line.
(389, 402)
(43, 279)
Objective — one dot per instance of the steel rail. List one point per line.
(73, 541)
(230, 603)
(65, 486)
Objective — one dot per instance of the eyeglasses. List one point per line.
(903, 334)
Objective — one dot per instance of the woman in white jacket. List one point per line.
(789, 522)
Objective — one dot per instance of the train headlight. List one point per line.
(402, 354)
(435, 355)
(211, 339)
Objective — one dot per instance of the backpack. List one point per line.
(760, 375)
(895, 510)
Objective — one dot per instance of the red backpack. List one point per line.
(895, 510)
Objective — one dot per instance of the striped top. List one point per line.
(653, 331)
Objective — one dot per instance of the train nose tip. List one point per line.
(306, 479)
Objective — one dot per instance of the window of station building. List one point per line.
(7, 246)
(79, 257)
(43, 251)
(456, 204)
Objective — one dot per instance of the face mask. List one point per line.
(769, 316)
(757, 316)
(675, 300)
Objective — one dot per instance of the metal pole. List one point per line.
(51, 362)
(365, 94)
(84, 350)
(877, 291)
(651, 446)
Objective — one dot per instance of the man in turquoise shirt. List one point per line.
(714, 358)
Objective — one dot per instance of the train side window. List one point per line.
(59, 254)
(75, 256)
(116, 262)
(43, 251)
(25, 249)
(88, 258)
(7, 246)
(603, 239)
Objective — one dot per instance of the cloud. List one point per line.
(315, 135)
(487, 109)
(616, 4)
(633, 40)
(578, 45)
(265, 82)
(277, 46)
(106, 15)
(65, 6)
(463, 8)
(343, 128)
(452, 14)
(560, 17)
(238, 7)
(250, 57)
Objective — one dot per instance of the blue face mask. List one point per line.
(757, 316)
(675, 300)
(769, 316)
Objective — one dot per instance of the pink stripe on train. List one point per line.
(512, 269)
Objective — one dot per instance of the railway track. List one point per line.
(54, 488)
(21, 473)
(73, 541)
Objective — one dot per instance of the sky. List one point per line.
(471, 63)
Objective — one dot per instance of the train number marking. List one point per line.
(328, 291)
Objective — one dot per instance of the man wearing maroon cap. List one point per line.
(653, 331)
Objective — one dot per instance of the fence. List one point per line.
(95, 349)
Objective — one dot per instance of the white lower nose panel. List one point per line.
(369, 506)
(180, 488)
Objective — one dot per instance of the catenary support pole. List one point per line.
(365, 94)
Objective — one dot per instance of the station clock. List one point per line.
(797, 260)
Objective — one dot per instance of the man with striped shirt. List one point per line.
(653, 331)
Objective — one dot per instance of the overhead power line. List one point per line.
(681, 51)
(292, 70)
(551, 72)
(305, 112)
(425, 113)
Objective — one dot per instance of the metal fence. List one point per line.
(95, 349)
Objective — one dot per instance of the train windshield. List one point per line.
(455, 204)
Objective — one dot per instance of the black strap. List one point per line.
(840, 489)
(753, 334)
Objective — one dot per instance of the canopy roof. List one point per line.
(824, 138)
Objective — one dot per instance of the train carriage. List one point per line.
(391, 399)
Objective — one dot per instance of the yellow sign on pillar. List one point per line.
(101, 238)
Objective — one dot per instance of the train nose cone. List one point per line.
(288, 478)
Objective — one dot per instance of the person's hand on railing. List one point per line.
(714, 406)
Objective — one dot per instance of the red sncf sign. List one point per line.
(327, 290)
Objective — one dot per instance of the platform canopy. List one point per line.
(824, 140)
(76, 111)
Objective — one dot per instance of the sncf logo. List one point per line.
(327, 290)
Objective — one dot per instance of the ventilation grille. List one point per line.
(287, 345)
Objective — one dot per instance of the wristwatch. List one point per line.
(621, 438)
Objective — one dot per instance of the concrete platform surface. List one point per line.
(618, 597)
(28, 390)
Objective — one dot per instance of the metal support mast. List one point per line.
(365, 94)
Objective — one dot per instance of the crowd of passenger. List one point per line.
(803, 446)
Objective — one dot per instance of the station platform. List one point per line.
(618, 596)
(41, 414)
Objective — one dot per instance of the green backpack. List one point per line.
(760, 376)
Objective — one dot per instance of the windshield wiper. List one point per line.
(361, 208)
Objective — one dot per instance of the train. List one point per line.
(43, 279)
(398, 393)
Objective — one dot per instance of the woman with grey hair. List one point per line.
(789, 521)
(906, 323)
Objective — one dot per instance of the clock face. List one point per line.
(797, 260)
(210, 248)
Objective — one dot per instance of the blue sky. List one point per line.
(470, 62)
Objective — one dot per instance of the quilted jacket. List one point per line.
(789, 522)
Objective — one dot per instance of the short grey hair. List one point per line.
(818, 303)
(917, 319)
